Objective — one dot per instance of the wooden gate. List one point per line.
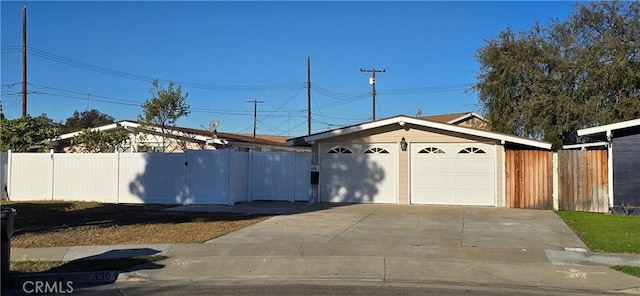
(529, 179)
(582, 181)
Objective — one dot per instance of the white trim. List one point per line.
(136, 126)
(423, 123)
(585, 145)
(609, 127)
(610, 168)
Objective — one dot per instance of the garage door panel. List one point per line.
(452, 177)
(438, 165)
(473, 165)
(368, 174)
(474, 181)
(433, 181)
(470, 197)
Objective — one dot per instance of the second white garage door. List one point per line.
(453, 174)
(366, 173)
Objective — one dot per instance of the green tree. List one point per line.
(26, 134)
(548, 82)
(86, 119)
(164, 108)
(95, 141)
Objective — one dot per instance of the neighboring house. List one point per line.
(466, 119)
(622, 140)
(176, 139)
(409, 160)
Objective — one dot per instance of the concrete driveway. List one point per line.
(386, 226)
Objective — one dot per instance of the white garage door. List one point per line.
(358, 173)
(453, 174)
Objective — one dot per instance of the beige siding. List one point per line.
(499, 176)
(393, 134)
(475, 123)
(403, 177)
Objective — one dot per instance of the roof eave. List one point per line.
(402, 120)
(592, 131)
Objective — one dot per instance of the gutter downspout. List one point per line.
(610, 166)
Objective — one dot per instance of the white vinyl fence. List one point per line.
(3, 174)
(193, 177)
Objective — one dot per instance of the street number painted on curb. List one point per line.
(102, 276)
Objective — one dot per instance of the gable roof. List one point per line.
(603, 130)
(453, 118)
(403, 119)
(186, 133)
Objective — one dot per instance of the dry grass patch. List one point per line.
(62, 224)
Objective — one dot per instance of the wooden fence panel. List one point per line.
(529, 180)
(583, 183)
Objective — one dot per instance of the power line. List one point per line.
(283, 104)
(104, 70)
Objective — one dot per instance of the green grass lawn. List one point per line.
(632, 270)
(605, 233)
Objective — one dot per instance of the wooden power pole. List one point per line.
(24, 61)
(255, 114)
(308, 95)
(372, 81)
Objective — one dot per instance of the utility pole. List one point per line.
(372, 81)
(308, 95)
(255, 114)
(24, 61)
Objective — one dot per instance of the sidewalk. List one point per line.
(376, 263)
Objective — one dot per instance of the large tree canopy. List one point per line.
(549, 81)
(86, 119)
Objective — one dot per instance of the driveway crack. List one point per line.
(354, 224)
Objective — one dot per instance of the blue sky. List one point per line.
(103, 55)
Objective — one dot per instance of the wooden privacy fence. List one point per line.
(529, 179)
(582, 180)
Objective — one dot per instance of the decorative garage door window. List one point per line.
(339, 150)
(431, 150)
(376, 150)
(471, 150)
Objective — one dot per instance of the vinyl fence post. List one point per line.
(117, 176)
(9, 157)
(53, 172)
